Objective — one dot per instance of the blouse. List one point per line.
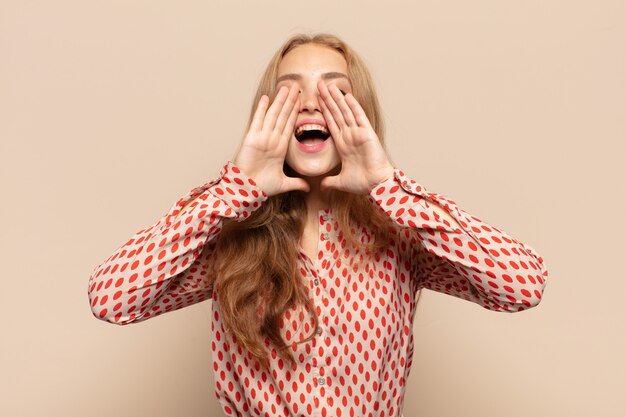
(360, 359)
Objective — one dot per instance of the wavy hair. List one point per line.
(255, 262)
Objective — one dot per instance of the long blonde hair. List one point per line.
(255, 269)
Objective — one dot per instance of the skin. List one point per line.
(353, 160)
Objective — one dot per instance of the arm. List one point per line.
(165, 267)
(458, 254)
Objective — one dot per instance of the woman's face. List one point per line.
(305, 65)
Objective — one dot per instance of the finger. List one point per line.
(357, 110)
(330, 182)
(293, 116)
(330, 121)
(261, 108)
(286, 110)
(330, 103)
(339, 98)
(272, 114)
(293, 183)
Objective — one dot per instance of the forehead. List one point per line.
(311, 59)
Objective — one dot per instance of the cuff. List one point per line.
(388, 192)
(406, 200)
(235, 189)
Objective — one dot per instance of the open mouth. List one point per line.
(311, 134)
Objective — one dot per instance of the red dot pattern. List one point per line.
(360, 359)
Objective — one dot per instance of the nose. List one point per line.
(309, 99)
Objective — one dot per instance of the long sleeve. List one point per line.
(163, 267)
(465, 258)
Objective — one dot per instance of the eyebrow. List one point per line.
(325, 76)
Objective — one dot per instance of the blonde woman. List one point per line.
(313, 248)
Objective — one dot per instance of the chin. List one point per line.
(313, 168)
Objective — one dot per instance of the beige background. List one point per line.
(112, 110)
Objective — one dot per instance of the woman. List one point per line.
(313, 248)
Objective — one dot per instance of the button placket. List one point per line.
(318, 368)
(313, 262)
(324, 237)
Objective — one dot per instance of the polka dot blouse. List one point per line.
(360, 359)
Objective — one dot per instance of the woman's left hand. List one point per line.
(364, 162)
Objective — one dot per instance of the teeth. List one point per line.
(311, 127)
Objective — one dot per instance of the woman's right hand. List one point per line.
(262, 153)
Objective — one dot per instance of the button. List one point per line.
(326, 236)
(321, 380)
(317, 281)
(319, 330)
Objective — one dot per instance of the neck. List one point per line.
(316, 199)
